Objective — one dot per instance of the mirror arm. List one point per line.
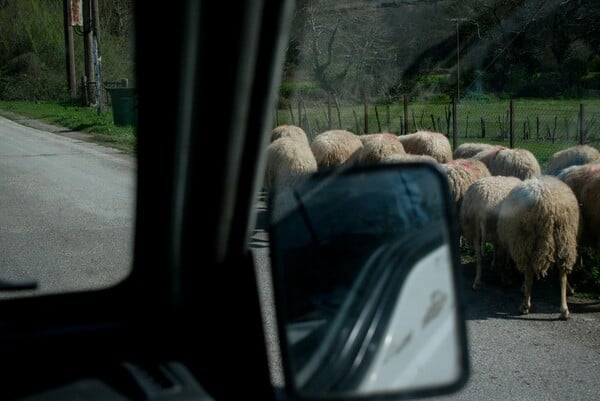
(306, 218)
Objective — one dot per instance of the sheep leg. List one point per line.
(564, 309)
(479, 259)
(570, 290)
(527, 283)
(503, 262)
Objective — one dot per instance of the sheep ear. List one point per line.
(365, 266)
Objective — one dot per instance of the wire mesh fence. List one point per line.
(542, 126)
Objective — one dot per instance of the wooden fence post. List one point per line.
(366, 111)
(339, 114)
(291, 113)
(329, 122)
(511, 124)
(405, 114)
(581, 124)
(454, 123)
(388, 120)
(306, 122)
(377, 117)
(299, 113)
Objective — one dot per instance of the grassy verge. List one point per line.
(101, 128)
(585, 276)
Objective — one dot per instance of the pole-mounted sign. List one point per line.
(76, 12)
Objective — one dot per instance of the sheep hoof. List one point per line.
(524, 310)
(564, 315)
(570, 291)
(476, 286)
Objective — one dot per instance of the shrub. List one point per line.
(586, 275)
(591, 80)
(46, 86)
(305, 89)
(478, 97)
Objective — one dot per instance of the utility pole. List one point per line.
(96, 55)
(69, 47)
(88, 51)
(458, 20)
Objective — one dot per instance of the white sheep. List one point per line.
(518, 162)
(573, 156)
(430, 143)
(470, 149)
(288, 130)
(590, 199)
(461, 174)
(377, 147)
(538, 224)
(479, 220)
(577, 177)
(289, 161)
(366, 137)
(334, 147)
(407, 158)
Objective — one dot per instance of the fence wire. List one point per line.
(543, 126)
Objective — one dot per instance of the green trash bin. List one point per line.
(123, 105)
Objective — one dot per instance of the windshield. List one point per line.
(502, 89)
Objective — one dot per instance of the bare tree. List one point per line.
(347, 51)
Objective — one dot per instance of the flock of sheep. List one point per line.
(535, 219)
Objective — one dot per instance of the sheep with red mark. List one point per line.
(430, 143)
(461, 174)
(538, 222)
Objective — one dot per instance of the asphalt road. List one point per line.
(66, 210)
(513, 357)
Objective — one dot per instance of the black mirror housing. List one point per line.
(365, 263)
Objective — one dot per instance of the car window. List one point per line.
(68, 181)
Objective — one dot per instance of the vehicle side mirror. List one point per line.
(365, 263)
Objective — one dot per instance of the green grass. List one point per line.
(76, 118)
(584, 277)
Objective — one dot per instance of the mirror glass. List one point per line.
(364, 262)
